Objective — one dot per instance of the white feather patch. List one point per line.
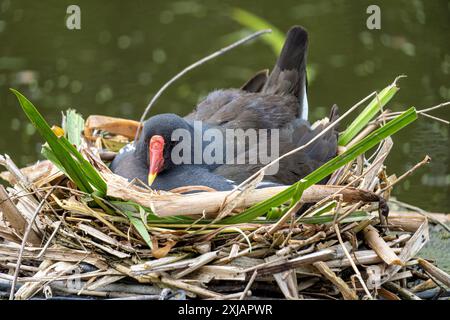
(127, 148)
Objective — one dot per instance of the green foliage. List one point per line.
(73, 125)
(141, 229)
(62, 153)
(368, 114)
(249, 20)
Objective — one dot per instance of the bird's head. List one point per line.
(155, 143)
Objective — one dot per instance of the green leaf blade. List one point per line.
(140, 228)
(77, 169)
(368, 113)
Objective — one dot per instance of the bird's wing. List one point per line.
(212, 104)
(256, 83)
(297, 165)
(244, 110)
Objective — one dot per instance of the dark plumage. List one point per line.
(275, 102)
(256, 83)
(280, 100)
(133, 161)
(299, 164)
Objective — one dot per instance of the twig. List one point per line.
(193, 66)
(426, 285)
(321, 255)
(444, 104)
(421, 212)
(350, 210)
(231, 296)
(190, 287)
(434, 118)
(343, 288)
(435, 107)
(197, 263)
(24, 241)
(56, 226)
(410, 249)
(298, 244)
(355, 268)
(401, 291)
(6, 161)
(434, 271)
(426, 160)
(292, 210)
(424, 112)
(138, 297)
(273, 262)
(339, 191)
(60, 277)
(14, 217)
(377, 243)
(248, 286)
(244, 252)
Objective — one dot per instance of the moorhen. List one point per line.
(275, 102)
(151, 155)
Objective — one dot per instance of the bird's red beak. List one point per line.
(156, 150)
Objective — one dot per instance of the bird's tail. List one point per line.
(289, 74)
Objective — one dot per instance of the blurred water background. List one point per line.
(126, 50)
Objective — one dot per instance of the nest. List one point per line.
(335, 242)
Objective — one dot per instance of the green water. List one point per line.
(126, 50)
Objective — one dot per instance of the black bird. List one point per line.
(275, 102)
(152, 156)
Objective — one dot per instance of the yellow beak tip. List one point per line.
(151, 178)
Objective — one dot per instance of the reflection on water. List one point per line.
(125, 52)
